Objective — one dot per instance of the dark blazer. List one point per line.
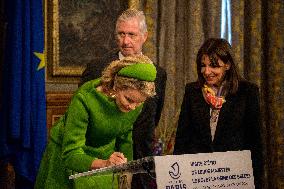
(144, 126)
(238, 125)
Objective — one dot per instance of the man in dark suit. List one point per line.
(131, 33)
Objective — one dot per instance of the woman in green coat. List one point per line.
(96, 129)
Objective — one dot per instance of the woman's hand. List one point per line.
(116, 158)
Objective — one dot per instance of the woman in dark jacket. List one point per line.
(220, 111)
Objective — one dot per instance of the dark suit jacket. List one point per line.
(238, 125)
(144, 126)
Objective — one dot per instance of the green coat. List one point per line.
(92, 128)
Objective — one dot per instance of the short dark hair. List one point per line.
(218, 48)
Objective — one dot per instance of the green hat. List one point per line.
(140, 71)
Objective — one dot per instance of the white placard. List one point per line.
(205, 171)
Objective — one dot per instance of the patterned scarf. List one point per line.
(215, 101)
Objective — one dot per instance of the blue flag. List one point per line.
(23, 114)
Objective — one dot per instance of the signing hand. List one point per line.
(116, 158)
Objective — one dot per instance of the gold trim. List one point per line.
(57, 69)
(55, 72)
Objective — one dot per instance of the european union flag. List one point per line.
(23, 115)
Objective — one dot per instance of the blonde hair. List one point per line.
(111, 80)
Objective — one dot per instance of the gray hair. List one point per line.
(133, 13)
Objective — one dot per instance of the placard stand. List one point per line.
(144, 165)
(190, 171)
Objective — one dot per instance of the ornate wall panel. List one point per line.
(56, 102)
(76, 33)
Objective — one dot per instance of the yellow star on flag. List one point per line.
(42, 60)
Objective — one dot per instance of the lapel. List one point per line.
(202, 108)
(114, 55)
(203, 115)
(226, 109)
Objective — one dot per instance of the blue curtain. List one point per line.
(23, 115)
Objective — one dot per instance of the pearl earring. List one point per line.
(112, 95)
